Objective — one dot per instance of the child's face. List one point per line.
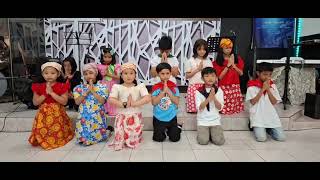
(166, 52)
(201, 51)
(50, 74)
(67, 67)
(164, 75)
(107, 58)
(209, 79)
(264, 75)
(89, 75)
(128, 75)
(227, 51)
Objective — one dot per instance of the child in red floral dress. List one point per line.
(128, 97)
(229, 68)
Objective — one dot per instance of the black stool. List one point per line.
(312, 106)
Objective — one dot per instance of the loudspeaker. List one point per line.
(312, 106)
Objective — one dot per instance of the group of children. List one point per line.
(112, 89)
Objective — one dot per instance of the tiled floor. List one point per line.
(240, 146)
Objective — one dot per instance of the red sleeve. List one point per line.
(61, 88)
(218, 68)
(38, 88)
(240, 64)
(35, 87)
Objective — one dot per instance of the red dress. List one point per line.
(230, 85)
(52, 127)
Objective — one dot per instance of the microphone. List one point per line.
(313, 41)
(235, 47)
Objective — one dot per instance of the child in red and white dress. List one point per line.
(193, 68)
(128, 97)
(229, 68)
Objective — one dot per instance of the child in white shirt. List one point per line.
(129, 97)
(209, 101)
(263, 95)
(193, 68)
(165, 56)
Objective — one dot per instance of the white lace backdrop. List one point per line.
(131, 39)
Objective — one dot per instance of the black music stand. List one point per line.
(77, 36)
(214, 45)
(214, 42)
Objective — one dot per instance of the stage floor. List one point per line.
(240, 146)
(303, 145)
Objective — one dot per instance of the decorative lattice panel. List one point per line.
(132, 39)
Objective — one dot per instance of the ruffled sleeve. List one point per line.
(61, 88)
(36, 88)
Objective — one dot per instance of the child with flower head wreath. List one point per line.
(110, 72)
(128, 97)
(91, 96)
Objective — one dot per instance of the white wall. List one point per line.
(131, 39)
(310, 26)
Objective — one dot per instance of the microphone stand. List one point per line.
(254, 74)
(235, 47)
(287, 69)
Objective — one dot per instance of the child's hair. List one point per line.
(99, 77)
(220, 58)
(208, 70)
(198, 44)
(41, 79)
(165, 43)
(162, 66)
(113, 55)
(72, 62)
(264, 66)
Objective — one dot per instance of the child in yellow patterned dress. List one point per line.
(52, 127)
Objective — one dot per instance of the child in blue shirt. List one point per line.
(165, 99)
